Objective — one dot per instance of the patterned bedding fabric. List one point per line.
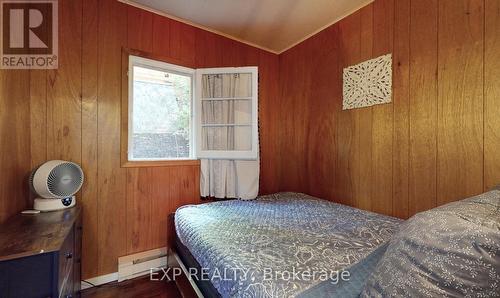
(278, 245)
(351, 288)
(449, 251)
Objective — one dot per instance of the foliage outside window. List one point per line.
(160, 105)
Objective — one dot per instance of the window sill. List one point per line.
(161, 163)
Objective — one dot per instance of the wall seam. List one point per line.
(437, 107)
(393, 3)
(97, 127)
(484, 95)
(410, 169)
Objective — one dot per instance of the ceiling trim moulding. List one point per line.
(161, 13)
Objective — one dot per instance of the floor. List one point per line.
(138, 288)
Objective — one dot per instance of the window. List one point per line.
(226, 110)
(165, 123)
(160, 111)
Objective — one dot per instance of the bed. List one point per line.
(280, 245)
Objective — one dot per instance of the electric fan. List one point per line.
(56, 182)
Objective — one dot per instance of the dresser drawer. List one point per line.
(66, 264)
(29, 277)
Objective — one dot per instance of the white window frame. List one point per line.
(227, 154)
(167, 67)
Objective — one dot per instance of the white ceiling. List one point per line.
(275, 25)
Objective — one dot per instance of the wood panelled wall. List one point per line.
(73, 113)
(439, 139)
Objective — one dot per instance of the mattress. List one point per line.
(279, 245)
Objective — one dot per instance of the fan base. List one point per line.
(46, 205)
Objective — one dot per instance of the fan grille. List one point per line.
(65, 179)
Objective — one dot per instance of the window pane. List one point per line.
(223, 138)
(226, 111)
(233, 85)
(161, 114)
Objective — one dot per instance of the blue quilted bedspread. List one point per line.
(279, 245)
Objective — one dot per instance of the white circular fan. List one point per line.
(56, 182)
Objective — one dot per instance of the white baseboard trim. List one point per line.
(141, 263)
(132, 266)
(100, 280)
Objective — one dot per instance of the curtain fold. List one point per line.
(227, 178)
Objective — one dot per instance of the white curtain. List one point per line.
(228, 178)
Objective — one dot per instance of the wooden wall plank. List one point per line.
(38, 116)
(401, 105)
(111, 178)
(231, 55)
(138, 192)
(460, 100)
(364, 118)
(209, 49)
(182, 188)
(236, 54)
(423, 105)
(38, 120)
(322, 70)
(15, 160)
(492, 94)
(301, 117)
(346, 165)
(139, 29)
(292, 67)
(162, 191)
(382, 122)
(161, 35)
(269, 123)
(89, 192)
(63, 92)
(139, 206)
(182, 42)
(249, 55)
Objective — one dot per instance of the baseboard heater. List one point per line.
(142, 263)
